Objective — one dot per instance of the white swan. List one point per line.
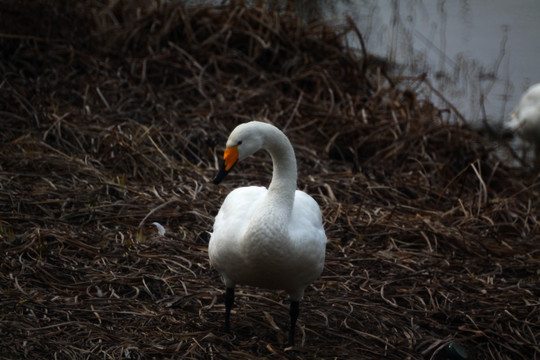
(525, 118)
(271, 238)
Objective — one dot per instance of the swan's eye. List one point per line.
(239, 143)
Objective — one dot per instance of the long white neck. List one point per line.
(270, 223)
(283, 185)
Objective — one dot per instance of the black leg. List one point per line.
(537, 156)
(293, 312)
(229, 300)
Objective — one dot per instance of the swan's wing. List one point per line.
(306, 228)
(231, 223)
(237, 209)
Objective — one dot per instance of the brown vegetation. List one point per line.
(114, 116)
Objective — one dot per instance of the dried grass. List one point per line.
(114, 116)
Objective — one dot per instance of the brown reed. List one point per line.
(114, 115)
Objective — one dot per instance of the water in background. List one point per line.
(481, 54)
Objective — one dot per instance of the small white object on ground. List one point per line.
(160, 228)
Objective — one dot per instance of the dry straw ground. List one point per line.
(114, 115)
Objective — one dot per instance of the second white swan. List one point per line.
(525, 119)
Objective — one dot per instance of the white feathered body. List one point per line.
(526, 117)
(271, 238)
(257, 241)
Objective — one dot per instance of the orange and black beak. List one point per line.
(230, 158)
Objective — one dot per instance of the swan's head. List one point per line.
(244, 140)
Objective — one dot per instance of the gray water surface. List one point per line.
(481, 54)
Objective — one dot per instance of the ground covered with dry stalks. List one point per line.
(114, 115)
